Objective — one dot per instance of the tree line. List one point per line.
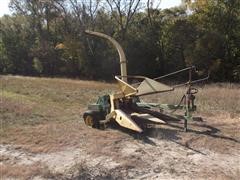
(46, 38)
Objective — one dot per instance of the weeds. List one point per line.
(42, 115)
(211, 99)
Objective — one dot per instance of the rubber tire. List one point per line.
(94, 122)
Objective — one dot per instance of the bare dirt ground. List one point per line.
(67, 149)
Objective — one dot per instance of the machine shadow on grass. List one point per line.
(172, 130)
(203, 129)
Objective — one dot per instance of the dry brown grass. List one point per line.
(44, 138)
(211, 100)
(33, 101)
(24, 171)
(26, 100)
(42, 115)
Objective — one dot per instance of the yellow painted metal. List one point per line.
(125, 121)
(126, 89)
(150, 86)
(148, 117)
(89, 120)
(112, 103)
(122, 57)
(121, 117)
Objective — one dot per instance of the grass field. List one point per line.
(44, 115)
(29, 103)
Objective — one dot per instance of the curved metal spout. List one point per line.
(122, 57)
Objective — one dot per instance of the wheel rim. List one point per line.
(89, 121)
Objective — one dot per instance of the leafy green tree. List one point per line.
(16, 39)
(222, 19)
(47, 38)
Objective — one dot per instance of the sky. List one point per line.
(4, 7)
(164, 4)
